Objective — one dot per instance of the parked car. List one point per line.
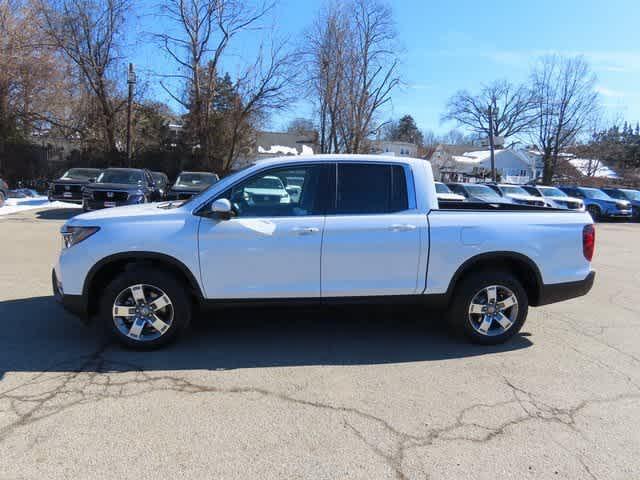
(4, 192)
(264, 191)
(120, 186)
(599, 204)
(517, 194)
(162, 183)
(475, 192)
(365, 229)
(68, 188)
(189, 184)
(628, 194)
(555, 197)
(444, 193)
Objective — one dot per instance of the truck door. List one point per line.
(373, 233)
(270, 248)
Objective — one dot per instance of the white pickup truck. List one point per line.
(363, 228)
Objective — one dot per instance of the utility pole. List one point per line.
(131, 81)
(490, 112)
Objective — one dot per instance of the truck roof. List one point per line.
(328, 157)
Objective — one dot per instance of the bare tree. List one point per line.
(325, 52)
(499, 110)
(89, 33)
(565, 100)
(352, 69)
(205, 30)
(263, 88)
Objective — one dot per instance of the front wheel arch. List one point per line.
(109, 267)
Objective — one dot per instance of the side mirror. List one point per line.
(222, 208)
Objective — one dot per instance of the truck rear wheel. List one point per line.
(145, 309)
(489, 307)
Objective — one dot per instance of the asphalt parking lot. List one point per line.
(320, 394)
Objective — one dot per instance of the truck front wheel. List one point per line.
(145, 308)
(489, 307)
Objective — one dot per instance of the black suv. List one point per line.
(120, 186)
(68, 188)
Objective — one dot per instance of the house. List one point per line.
(276, 144)
(471, 164)
(393, 148)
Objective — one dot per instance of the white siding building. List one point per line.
(512, 166)
(396, 149)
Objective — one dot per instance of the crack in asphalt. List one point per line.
(97, 378)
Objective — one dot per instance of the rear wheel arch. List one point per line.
(105, 270)
(521, 266)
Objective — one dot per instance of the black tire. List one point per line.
(2, 199)
(180, 303)
(468, 288)
(594, 211)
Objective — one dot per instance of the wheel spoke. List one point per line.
(159, 303)
(136, 328)
(476, 308)
(503, 321)
(491, 294)
(486, 324)
(138, 294)
(507, 303)
(158, 324)
(123, 311)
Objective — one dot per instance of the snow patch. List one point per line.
(278, 150)
(592, 168)
(16, 205)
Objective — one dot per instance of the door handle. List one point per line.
(305, 230)
(404, 227)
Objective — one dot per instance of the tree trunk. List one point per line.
(547, 172)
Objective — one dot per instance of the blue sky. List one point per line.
(449, 46)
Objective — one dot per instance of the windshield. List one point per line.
(198, 180)
(514, 190)
(632, 194)
(483, 192)
(552, 192)
(271, 183)
(442, 188)
(80, 174)
(128, 177)
(595, 194)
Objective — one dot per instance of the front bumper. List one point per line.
(56, 197)
(99, 205)
(558, 292)
(619, 214)
(180, 195)
(75, 304)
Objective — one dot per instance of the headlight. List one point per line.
(136, 198)
(74, 235)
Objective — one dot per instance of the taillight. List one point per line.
(588, 241)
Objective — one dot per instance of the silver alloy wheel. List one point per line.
(143, 312)
(493, 310)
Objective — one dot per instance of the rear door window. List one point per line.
(370, 189)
